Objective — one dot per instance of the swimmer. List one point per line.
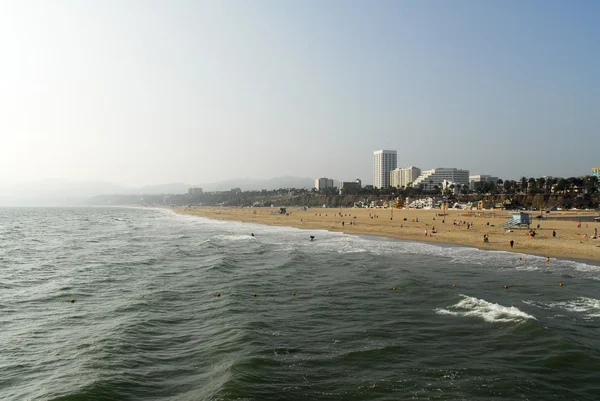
(252, 234)
(312, 237)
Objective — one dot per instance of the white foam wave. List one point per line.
(234, 237)
(347, 243)
(589, 307)
(528, 268)
(488, 311)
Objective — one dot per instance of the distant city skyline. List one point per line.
(206, 91)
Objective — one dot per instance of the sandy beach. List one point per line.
(459, 227)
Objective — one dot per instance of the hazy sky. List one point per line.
(148, 92)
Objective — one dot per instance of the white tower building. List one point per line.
(402, 177)
(322, 183)
(384, 161)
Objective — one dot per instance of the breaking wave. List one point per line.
(588, 307)
(488, 311)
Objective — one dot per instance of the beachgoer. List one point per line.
(426, 232)
(554, 233)
(512, 243)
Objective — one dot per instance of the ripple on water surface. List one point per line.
(342, 317)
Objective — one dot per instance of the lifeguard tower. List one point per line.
(518, 219)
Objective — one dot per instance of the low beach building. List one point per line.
(348, 187)
(424, 203)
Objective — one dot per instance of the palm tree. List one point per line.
(541, 184)
(590, 184)
(531, 187)
(523, 185)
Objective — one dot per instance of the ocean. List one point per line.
(339, 318)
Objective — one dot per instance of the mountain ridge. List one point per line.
(67, 192)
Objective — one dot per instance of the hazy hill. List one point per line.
(55, 187)
(172, 188)
(248, 184)
(54, 192)
(65, 192)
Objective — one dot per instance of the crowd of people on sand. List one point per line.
(593, 236)
(469, 225)
(585, 235)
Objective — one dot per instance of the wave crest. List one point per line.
(590, 307)
(488, 311)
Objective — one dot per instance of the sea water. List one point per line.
(121, 304)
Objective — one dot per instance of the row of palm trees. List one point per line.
(552, 185)
(524, 186)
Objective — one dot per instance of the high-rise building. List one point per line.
(435, 177)
(384, 161)
(402, 177)
(596, 171)
(322, 183)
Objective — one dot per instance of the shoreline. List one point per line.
(458, 245)
(410, 226)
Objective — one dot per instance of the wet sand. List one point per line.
(451, 228)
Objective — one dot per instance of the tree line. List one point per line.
(586, 187)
